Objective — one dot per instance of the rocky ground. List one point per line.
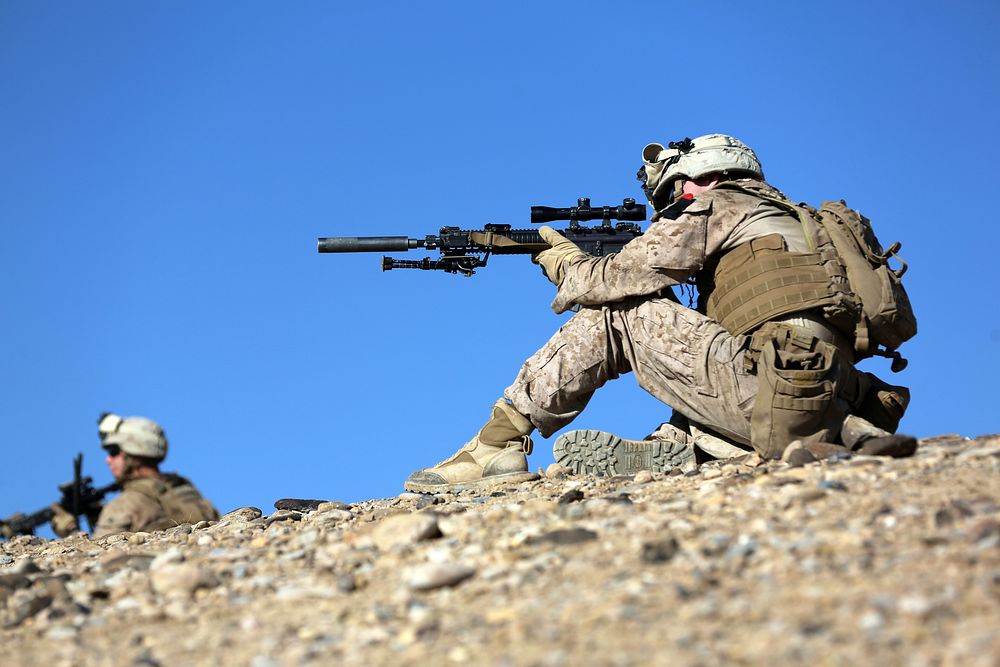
(843, 561)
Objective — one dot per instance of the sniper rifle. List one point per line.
(465, 250)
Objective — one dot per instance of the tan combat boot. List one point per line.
(606, 455)
(497, 454)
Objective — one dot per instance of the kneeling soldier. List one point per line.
(150, 499)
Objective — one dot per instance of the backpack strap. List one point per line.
(799, 212)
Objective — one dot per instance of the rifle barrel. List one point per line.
(367, 243)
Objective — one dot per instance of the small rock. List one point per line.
(298, 504)
(181, 580)
(283, 515)
(660, 551)
(796, 455)
(242, 514)
(437, 575)
(333, 505)
(168, 557)
(347, 583)
(571, 496)
(294, 592)
(26, 566)
(426, 501)
(832, 485)
(13, 581)
(556, 471)
(563, 536)
(62, 632)
(401, 529)
(324, 519)
(23, 605)
(119, 561)
(805, 496)
(896, 446)
(985, 534)
(716, 544)
(643, 477)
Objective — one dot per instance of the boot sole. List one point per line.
(487, 483)
(606, 455)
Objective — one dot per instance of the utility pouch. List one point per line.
(800, 382)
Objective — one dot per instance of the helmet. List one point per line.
(691, 159)
(138, 442)
(138, 436)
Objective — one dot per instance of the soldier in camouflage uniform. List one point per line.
(788, 376)
(150, 499)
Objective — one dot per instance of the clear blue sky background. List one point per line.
(165, 169)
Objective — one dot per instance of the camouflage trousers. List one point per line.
(678, 355)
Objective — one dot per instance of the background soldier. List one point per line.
(150, 500)
(788, 375)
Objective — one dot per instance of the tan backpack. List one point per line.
(887, 317)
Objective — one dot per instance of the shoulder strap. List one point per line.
(798, 211)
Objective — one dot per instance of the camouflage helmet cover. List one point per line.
(138, 436)
(692, 159)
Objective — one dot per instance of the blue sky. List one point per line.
(165, 169)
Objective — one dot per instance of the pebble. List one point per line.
(62, 632)
(403, 529)
(283, 515)
(660, 551)
(556, 471)
(168, 557)
(333, 505)
(330, 518)
(571, 496)
(643, 477)
(563, 536)
(181, 580)
(242, 515)
(437, 575)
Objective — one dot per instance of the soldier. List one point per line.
(789, 376)
(150, 499)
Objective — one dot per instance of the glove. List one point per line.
(63, 523)
(552, 260)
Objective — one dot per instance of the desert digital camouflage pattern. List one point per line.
(154, 503)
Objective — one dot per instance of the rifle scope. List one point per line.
(628, 210)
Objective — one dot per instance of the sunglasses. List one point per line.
(113, 450)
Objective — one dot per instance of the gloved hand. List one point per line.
(63, 523)
(552, 260)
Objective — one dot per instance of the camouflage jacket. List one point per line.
(154, 503)
(678, 244)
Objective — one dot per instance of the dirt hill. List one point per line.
(844, 561)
